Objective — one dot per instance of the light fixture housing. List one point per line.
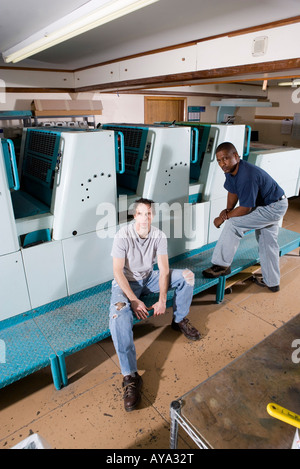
(91, 15)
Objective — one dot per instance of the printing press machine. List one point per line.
(74, 187)
(59, 212)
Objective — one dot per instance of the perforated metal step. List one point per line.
(73, 323)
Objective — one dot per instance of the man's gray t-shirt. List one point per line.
(139, 253)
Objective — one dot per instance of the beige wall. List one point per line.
(285, 105)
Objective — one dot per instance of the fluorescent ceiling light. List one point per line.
(89, 16)
(293, 83)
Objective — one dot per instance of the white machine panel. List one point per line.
(88, 260)
(283, 164)
(174, 220)
(165, 176)
(45, 273)
(216, 207)
(211, 176)
(14, 298)
(86, 178)
(196, 220)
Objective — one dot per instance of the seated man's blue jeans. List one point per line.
(122, 316)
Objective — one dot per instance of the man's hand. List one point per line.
(159, 308)
(224, 214)
(218, 222)
(140, 309)
(221, 218)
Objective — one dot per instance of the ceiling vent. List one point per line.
(259, 46)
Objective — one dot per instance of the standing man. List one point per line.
(262, 204)
(135, 249)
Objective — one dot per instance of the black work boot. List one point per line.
(261, 283)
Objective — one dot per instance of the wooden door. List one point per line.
(160, 109)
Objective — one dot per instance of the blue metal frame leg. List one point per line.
(55, 371)
(221, 289)
(62, 368)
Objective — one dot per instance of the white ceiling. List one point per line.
(161, 24)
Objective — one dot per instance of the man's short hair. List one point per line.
(226, 146)
(144, 201)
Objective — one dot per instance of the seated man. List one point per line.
(134, 251)
(262, 204)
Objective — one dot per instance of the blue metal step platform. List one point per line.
(44, 336)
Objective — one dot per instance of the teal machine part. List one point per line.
(14, 185)
(247, 150)
(120, 152)
(10, 164)
(39, 163)
(130, 147)
(194, 145)
(41, 152)
(36, 237)
(199, 136)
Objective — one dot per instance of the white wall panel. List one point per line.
(237, 50)
(102, 74)
(37, 79)
(163, 63)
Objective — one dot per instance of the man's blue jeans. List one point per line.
(121, 314)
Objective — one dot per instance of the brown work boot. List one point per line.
(216, 271)
(187, 329)
(132, 386)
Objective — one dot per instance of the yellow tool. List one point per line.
(285, 415)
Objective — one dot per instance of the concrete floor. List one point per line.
(89, 413)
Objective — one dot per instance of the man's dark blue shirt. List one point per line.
(253, 186)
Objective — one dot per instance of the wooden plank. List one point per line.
(242, 276)
(275, 118)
